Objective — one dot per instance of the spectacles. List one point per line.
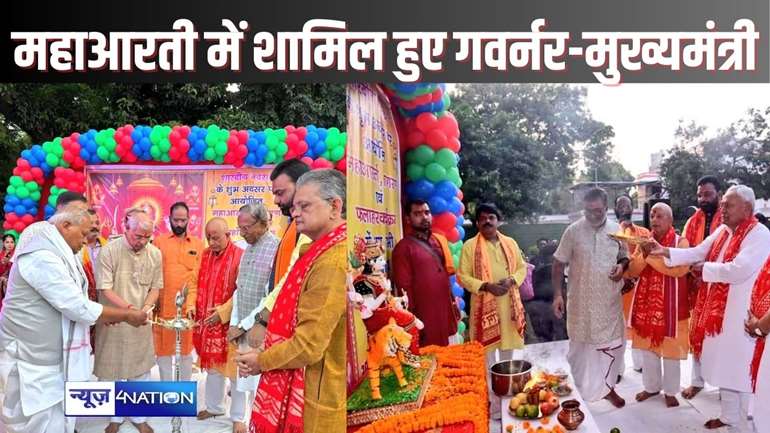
(248, 227)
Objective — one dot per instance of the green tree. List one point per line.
(597, 158)
(680, 171)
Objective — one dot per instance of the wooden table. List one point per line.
(548, 356)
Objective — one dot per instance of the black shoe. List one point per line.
(638, 370)
(620, 377)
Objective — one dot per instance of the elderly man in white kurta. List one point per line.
(731, 259)
(594, 305)
(44, 338)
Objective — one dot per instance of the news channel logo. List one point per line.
(166, 399)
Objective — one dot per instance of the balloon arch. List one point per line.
(428, 133)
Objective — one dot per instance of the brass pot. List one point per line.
(509, 377)
(570, 416)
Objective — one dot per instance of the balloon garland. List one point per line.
(61, 160)
(430, 143)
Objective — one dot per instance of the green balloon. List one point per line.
(47, 146)
(16, 181)
(415, 171)
(344, 138)
(103, 153)
(219, 159)
(435, 172)
(282, 134)
(155, 135)
(55, 190)
(424, 155)
(210, 139)
(332, 141)
(337, 153)
(281, 149)
(22, 192)
(212, 129)
(109, 144)
(453, 175)
(446, 158)
(269, 131)
(447, 102)
(52, 160)
(58, 150)
(411, 157)
(325, 155)
(272, 142)
(209, 154)
(334, 130)
(461, 327)
(270, 158)
(221, 148)
(114, 157)
(164, 145)
(165, 157)
(11, 190)
(456, 261)
(31, 186)
(155, 152)
(35, 195)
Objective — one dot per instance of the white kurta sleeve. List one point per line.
(753, 254)
(56, 286)
(234, 319)
(689, 256)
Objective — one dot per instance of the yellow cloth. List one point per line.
(302, 244)
(671, 348)
(181, 262)
(319, 343)
(509, 337)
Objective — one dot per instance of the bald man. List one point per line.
(660, 311)
(216, 284)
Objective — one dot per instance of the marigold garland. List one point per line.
(457, 393)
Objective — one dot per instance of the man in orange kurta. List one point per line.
(624, 211)
(181, 261)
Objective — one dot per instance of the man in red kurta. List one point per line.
(422, 265)
(216, 284)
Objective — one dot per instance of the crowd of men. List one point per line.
(704, 291)
(269, 315)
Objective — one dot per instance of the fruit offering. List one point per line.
(533, 404)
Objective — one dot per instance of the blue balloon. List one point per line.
(262, 151)
(145, 143)
(457, 290)
(84, 154)
(28, 203)
(260, 161)
(136, 135)
(446, 189)
(20, 210)
(251, 159)
(461, 230)
(137, 149)
(322, 133)
(319, 148)
(461, 303)
(455, 206)
(46, 168)
(261, 137)
(32, 212)
(12, 200)
(452, 279)
(421, 189)
(437, 204)
(8, 208)
(311, 138)
(26, 154)
(252, 144)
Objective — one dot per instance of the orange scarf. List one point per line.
(280, 399)
(694, 230)
(283, 255)
(709, 312)
(449, 265)
(655, 311)
(760, 305)
(484, 316)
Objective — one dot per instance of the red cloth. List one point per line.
(760, 305)
(660, 301)
(280, 398)
(425, 281)
(709, 312)
(216, 284)
(695, 232)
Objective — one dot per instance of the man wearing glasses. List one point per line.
(251, 285)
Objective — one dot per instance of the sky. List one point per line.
(645, 116)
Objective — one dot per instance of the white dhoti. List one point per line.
(595, 367)
(12, 417)
(656, 379)
(166, 367)
(735, 410)
(215, 396)
(696, 377)
(249, 383)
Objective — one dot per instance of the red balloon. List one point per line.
(23, 163)
(232, 141)
(127, 142)
(74, 186)
(289, 155)
(342, 165)
(307, 160)
(11, 217)
(426, 121)
(436, 95)
(185, 159)
(68, 155)
(453, 144)
(7, 225)
(75, 148)
(289, 128)
(292, 140)
(19, 226)
(242, 151)
(16, 171)
(183, 145)
(27, 219)
(120, 151)
(174, 136)
(184, 131)
(436, 139)
(26, 176)
(444, 221)
(229, 158)
(130, 157)
(414, 139)
(448, 124)
(300, 148)
(37, 172)
(453, 235)
(301, 132)
(238, 163)
(173, 153)
(321, 163)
